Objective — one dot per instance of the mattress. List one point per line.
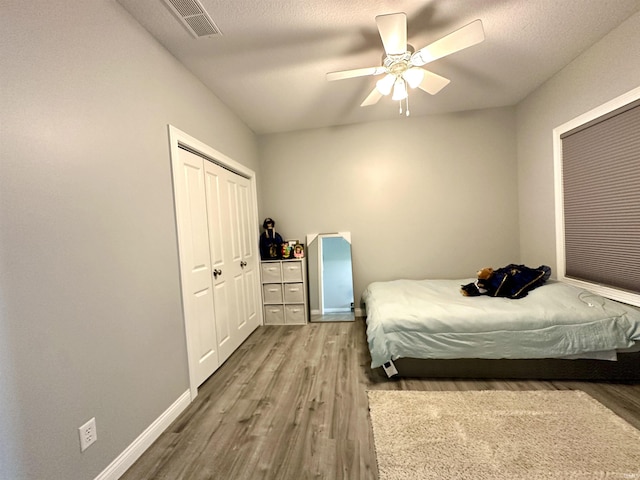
(431, 319)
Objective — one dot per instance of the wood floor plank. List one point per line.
(291, 404)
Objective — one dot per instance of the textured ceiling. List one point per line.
(270, 62)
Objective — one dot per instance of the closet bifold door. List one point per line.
(233, 254)
(195, 265)
(214, 213)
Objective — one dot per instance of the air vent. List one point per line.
(193, 16)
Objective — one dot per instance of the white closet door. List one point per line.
(219, 221)
(234, 300)
(249, 252)
(232, 268)
(243, 259)
(195, 265)
(217, 237)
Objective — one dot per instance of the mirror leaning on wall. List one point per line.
(330, 277)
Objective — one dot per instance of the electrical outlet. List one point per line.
(88, 434)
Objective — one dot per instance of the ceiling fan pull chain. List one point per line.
(407, 110)
(400, 103)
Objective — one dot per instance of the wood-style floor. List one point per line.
(291, 404)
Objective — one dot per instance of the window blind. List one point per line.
(601, 189)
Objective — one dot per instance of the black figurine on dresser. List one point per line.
(270, 241)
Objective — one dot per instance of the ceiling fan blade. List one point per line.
(393, 32)
(358, 72)
(464, 37)
(432, 83)
(372, 98)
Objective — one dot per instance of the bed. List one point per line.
(426, 328)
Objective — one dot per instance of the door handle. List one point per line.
(243, 264)
(217, 272)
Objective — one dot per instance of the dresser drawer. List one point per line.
(294, 314)
(271, 272)
(293, 293)
(292, 271)
(272, 292)
(273, 315)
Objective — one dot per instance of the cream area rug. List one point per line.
(491, 435)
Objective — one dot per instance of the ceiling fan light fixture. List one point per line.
(399, 89)
(413, 76)
(385, 84)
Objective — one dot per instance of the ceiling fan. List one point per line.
(402, 64)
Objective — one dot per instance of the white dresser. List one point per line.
(284, 291)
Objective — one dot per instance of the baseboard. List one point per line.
(359, 312)
(128, 457)
(337, 310)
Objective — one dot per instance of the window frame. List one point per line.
(604, 290)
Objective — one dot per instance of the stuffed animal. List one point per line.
(512, 281)
(270, 241)
(478, 287)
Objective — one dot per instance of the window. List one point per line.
(597, 176)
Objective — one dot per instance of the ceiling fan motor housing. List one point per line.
(397, 64)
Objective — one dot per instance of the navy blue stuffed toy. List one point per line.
(270, 241)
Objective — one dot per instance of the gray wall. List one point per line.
(91, 321)
(608, 69)
(422, 197)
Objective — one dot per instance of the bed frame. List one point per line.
(625, 369)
